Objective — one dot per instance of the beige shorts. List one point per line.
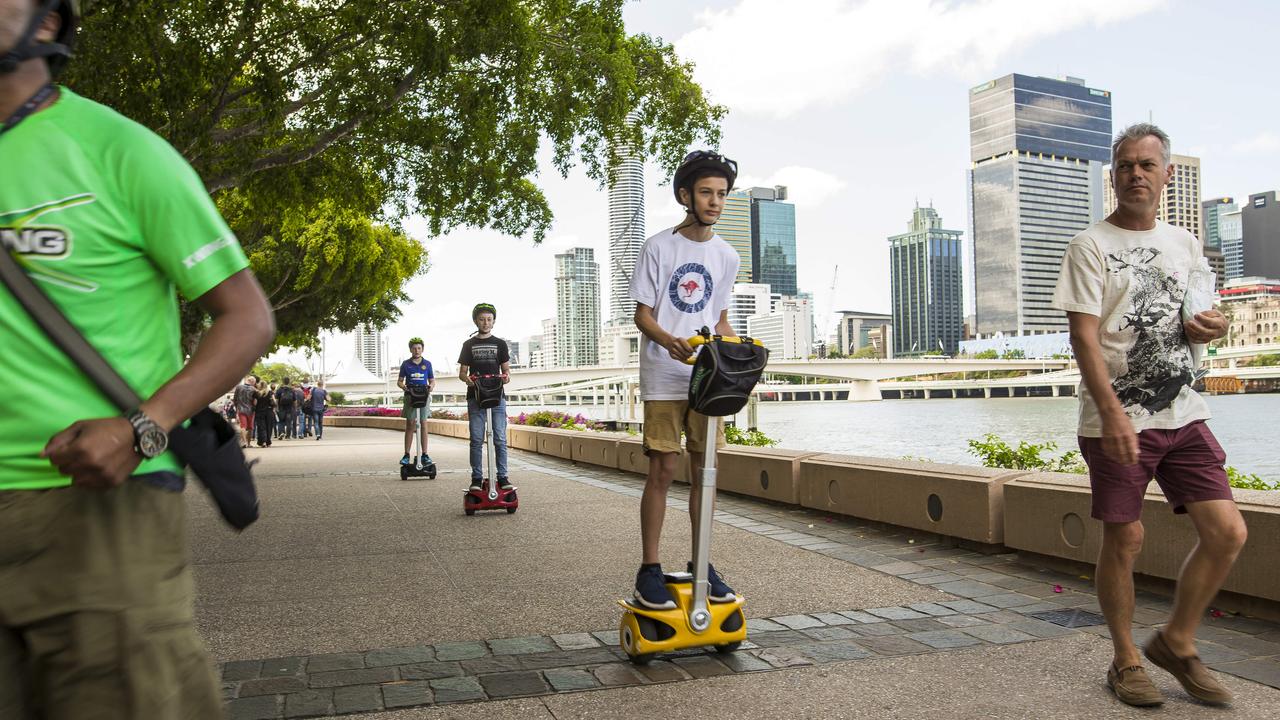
(664, 420)
(96, 616)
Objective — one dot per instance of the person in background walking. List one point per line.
(318, 401)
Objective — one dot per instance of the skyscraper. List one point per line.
(735, 227)
(787, 330)
(748, 299)
(1037, 148)
(369, 349)
(549, 342)
(1210, 211)
(1231, 234)
(1260, 220)
(773, 239)
(577, 308)
(1180, 205)
(626, 232)
(926, 287)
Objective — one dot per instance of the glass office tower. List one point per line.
(1037, 147)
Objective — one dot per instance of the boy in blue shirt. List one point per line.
(417, 380)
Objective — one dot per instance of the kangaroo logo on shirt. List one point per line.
(690, 287)
(20, 236)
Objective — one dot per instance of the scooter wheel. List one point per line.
(469, 512)
(641, 659)
(728, 647)
(511, 511)
(404, 472)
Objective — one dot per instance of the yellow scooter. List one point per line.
(694, 622)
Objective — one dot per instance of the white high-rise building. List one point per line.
(626, 232)
(369, 349)
(577, 308)
(748, 299)
(787, 331)
(620, 345)
(549, 332)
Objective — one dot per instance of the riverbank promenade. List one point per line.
(363, 595)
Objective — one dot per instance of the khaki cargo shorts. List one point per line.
(96, 608)
(664, 420)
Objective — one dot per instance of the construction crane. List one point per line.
(829, 313)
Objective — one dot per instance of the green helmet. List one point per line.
(482, 308)
(416, 341)
(55, 53)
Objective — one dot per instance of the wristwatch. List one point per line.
(149, 439)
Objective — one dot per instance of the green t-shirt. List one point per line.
(109, 220)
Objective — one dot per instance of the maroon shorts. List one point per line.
(246, 420)
(1186, 463)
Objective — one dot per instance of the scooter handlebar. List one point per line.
(698, 340)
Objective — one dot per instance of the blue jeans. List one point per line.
(476, 417)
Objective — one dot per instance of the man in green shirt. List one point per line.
(111, 223)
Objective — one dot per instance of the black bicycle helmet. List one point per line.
(55, 53)
(483, 307)
(702, 160)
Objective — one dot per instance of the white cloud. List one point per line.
(1264, 143)
(774, 58)
(806, 186)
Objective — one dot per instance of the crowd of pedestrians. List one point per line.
(265, 411)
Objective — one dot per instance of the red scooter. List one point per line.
(489, 496)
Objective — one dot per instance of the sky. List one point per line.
(860, 107)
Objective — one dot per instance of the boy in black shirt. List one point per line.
(485, 354)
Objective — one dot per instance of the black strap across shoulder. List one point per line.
(27, 108)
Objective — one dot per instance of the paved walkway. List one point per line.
(357, 592)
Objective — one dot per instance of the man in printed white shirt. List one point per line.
(683, 282)
(1122, 285)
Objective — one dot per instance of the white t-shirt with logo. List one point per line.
(1134, 282)
(689, 285)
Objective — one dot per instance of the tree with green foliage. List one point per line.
(313, 119)
(1014, 354)
(866, 352)
(277, 372)
(987, 355)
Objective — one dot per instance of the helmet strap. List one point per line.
(26, 49)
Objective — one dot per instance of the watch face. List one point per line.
(152, 442)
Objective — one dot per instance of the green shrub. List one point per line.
(1248, 481)
(737, 436)
(996, 453)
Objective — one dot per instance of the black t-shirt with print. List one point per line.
(485, 356)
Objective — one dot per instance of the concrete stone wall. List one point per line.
(1048, 513)
(955, 500)
(766, 473)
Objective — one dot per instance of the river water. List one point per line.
(939, 430)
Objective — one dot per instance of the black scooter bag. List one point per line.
(726, 371)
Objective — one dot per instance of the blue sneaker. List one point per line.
(426, 460)
(651, 589)
(718, 591)
(405, 460)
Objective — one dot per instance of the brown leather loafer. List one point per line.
(1194, 676)
(1133, 687)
